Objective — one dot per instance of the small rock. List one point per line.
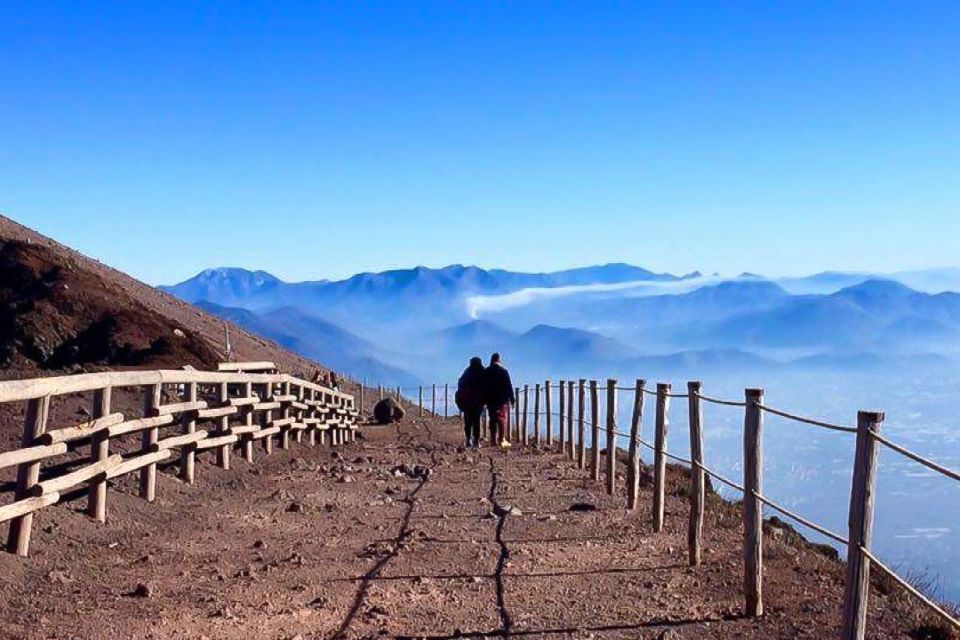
(295, 507)
(59, 577)
(143, 590)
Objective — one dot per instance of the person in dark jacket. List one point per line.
(470, 400)
(498, 392)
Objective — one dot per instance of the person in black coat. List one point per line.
(499, 396)
(470, 400)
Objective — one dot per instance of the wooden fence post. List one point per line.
(697, 476)
(301, 396)
(188, 454)
(516, 415)
(399, 397)
(148, 475)
(633, 467)
(862, 502)
(570, 442)
(380, 392)
(223, 426)
(28, 474)
(524, 438)
(285, 413)
(660, 460)
(248, 421)
(99, 450)
(312, 413)
(546, 412)
(581, 424)
(266, 418)
(446, 400)
(611, 435)
(420, 399)
(433, 400)
(562, 441)
(359, 406)
(752, 507)
(536, 415)
(594, 431)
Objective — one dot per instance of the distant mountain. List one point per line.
(611, 318)
(478, 337)
(931, 280)
(227, 286)
(823, 283)
(544, 347)
(857, 315)
(415, 300)
(314, 337)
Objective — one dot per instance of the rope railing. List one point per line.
(728, 403)
(910, 588)
(804, 420)
(916, 457)
(795, 516)
(592, 426)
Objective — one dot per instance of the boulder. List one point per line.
(387, 411)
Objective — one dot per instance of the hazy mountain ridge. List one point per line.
(418, 319)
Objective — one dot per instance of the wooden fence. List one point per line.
(867, 432)
(243, 404)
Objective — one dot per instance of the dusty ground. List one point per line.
(320, 543)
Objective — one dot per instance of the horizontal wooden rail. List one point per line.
(282, 404)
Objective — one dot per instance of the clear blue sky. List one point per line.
(317, 139)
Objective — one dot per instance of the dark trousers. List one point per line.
(499, 417)
(471, 426)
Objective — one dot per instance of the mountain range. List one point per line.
(414, 324)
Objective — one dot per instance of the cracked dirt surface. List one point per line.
(314, 542)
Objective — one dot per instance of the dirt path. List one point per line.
(321, 543)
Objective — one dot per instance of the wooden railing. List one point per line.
(574, 442)
(242, 408)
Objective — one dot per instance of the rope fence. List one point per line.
(579, 419)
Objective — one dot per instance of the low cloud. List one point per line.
(484, 304)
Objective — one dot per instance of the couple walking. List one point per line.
(489, 388)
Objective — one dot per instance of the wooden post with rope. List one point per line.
(581, 424)
(524, 438)
(547, 412)
(660, 460)
(594, 431)
(697, 475)
(752, 507)
(633, 466)
(561, 440)
(536, 415)
(611, 435)
(515, 427)
(570, 443)
(862, 501)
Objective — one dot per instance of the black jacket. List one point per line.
(499, 387)
(471, 389)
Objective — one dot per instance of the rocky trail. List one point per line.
(404, 534)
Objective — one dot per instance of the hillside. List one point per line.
(313, 337)
(67, 312)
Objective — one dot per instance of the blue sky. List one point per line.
(318, 139)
